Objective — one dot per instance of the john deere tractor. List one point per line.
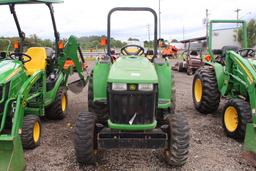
(233, 76)
(33, 84)
(131, 104)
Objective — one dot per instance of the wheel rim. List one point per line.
(36, 132)
(198, 90)
(64, 103)
(231, 118)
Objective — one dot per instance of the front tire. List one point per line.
(85, 138)
(176, 153)
(58, 109)
(31, 132)
(206, 96)
(236, 114)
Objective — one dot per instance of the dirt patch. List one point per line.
(210, 149)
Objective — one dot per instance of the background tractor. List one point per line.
(192, 59)
(33, 84)
(232, 76)
(131, 104)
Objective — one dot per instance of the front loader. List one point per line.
(33, 84)
(131, 102)
(232, 76)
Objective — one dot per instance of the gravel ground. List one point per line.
(210, 149)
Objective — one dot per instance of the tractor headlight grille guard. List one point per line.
(132, 106)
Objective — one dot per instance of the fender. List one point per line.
(164, 85)
(220, 76)
(100, 80)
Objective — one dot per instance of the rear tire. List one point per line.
(236, 114)
(31, 132)
(180, 67)
(58, 109)
(100, 109)
(173, 98)
(178, 140)
(85, 138)
(206, 96)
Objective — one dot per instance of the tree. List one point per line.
(93, 42)
(251, 33)
(148, 44)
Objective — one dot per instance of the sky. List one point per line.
(180, 19)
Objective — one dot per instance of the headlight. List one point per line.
(119, 86)
(145, 87)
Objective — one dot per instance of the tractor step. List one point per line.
(154, 139)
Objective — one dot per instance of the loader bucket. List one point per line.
(77, 86)
(250, 144)
(11, 154)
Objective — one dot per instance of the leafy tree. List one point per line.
(148, 44)
(251, 33)
(86, 43)
(93, 42)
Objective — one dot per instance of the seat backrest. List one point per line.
(38, 61)
(194, 53)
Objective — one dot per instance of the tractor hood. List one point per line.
(9, 68)
(133, 69)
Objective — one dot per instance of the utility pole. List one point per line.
(148, 28)
(183, 32)
(237, 14)
(159, 10)
(207, 21)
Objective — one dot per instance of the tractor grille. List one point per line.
(123, 105)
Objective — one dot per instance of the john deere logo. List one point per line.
(132, 87)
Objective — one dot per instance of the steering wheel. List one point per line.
(21, 57)
(139, 52)
(247, 53)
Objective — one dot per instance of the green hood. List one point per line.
(132, 69)
(8, 69)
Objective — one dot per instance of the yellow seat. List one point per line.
(38, 61)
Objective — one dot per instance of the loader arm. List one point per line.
(69, 62)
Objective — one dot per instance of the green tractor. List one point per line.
(131, 103)
(233, 76)
(33, 84)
